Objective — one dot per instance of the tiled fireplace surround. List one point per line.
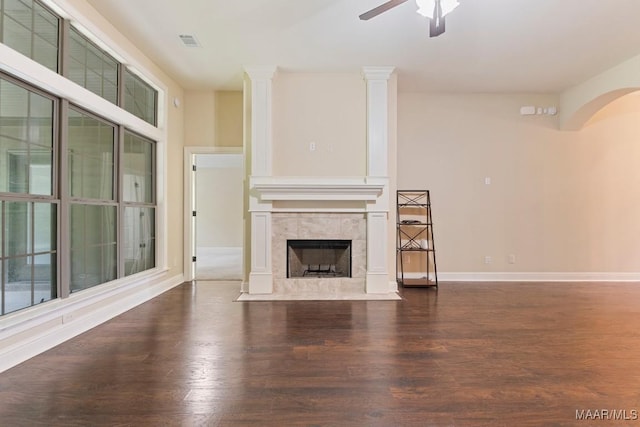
(346, 208)
(337, 226)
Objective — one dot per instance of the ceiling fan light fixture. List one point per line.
(427, 8)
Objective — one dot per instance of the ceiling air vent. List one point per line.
(189, 40)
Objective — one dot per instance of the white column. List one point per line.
(377, 119)
(261, 107)
(260, 276)
(377, 79)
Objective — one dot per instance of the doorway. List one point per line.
(214, 247)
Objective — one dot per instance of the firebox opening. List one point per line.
(318, 258)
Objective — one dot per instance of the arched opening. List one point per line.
(583, 114)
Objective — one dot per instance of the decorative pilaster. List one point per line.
(377, 79)
(261, 276)
(261, 108)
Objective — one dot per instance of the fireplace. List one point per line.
(318, 258)
(350, 205)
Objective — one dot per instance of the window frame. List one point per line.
(70, 29)
(19, 68)
(31, 199)
(128, 204)
(59, 35)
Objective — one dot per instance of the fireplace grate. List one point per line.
(328, 270)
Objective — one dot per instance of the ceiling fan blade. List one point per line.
(380, 9)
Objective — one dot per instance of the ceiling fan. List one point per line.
(435, 10)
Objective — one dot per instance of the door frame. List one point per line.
(190, 154)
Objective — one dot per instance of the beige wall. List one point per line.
(327, 109)
(200, 112)
(228, 118)
(213, 119)
(558, 201)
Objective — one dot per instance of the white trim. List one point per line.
(377, 119)
(261, 118)
(190, 153)
(321, 210)
(317, 188)
(377, 72)
(393, 286)
(38, 75)
(538, 277)
(56, 322)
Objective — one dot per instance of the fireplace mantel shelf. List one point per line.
(318, 188)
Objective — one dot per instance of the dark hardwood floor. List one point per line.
(467, 354)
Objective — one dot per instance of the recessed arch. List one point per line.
(584, 113)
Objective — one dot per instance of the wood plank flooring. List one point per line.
(467, 354)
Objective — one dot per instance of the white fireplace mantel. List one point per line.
(276, 195)
(290, 188)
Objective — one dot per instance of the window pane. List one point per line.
(40, 174)
(93, 245)
(19, 10)
(91, 67)
(40, 120)
(25, 117)
(44, 53)
(140, 98)
(91, 157)
(44, 223)
(17, 37)
(139, 239)
(17, 282)
(44, 270)
(17, 228)
(32, 30)
(137, 164)
(14, 177)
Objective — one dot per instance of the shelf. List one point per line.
(415, 250)
(418, 283)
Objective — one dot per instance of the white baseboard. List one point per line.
(538, 277)
(393, 286)
(36, 330)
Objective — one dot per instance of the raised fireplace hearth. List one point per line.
(318, 258)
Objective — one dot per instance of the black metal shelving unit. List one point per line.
(416, 253)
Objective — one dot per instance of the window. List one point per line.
(77, 192)
(31, 29)
(140, 99)
(91, 176)
(91, 148)
(92, 68)
(139, 210)
(28, 207)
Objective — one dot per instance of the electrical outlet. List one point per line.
(488, 259)
(312, 146)
(511, 259)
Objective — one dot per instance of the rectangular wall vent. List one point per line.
(189, 40)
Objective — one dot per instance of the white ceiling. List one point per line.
(489, 45)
